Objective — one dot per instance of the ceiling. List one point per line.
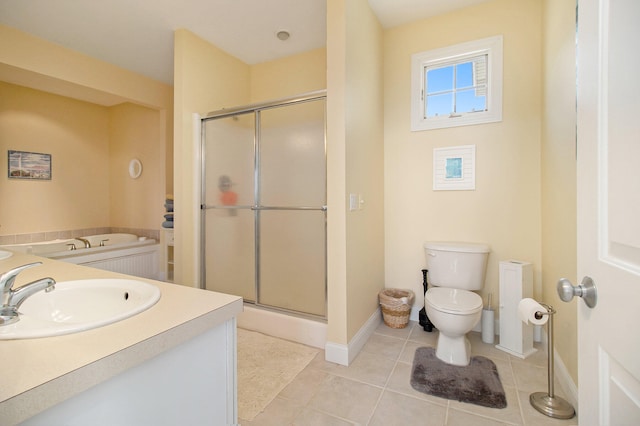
(138, 34)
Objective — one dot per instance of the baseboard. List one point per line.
(415, 314)
(569, 388)
(345, 354)
(564, 380)
(335, 352)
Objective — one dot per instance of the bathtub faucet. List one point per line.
(86, 242)
(12, 299)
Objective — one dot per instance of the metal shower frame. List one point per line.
(256, 207)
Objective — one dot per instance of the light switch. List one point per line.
(353, 202)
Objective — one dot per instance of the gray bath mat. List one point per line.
(477, 383)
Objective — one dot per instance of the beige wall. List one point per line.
(83, 150)
(559, 171)
(504, 210)
(76, 135)
(205, 79)
(355, 165)
(133, 133)
(54, 68)
(91, 146)
(364, 164)
(336, 172)
(290, 76)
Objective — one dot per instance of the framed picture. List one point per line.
(29, 165)
(454, 168)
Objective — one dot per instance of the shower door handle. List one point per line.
(320, 208)
(212, 207)
(254, 208)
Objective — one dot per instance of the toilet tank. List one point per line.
(456, 265)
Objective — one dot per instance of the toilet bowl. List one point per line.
(455, 270)
(454, 312)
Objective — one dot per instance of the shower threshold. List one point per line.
(305, 329)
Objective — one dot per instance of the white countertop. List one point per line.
(36, 374)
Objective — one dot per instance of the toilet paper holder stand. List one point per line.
(548, 403)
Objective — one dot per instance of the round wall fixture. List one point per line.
(135, 168)
(283, 35)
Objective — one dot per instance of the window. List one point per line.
(457, 85)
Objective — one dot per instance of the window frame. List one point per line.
(451, 55)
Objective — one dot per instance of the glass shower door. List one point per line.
(229, 222)
(264, 213)
(292, 216)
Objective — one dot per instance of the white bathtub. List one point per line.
(124, 253)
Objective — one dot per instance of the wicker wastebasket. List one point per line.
(396, 306)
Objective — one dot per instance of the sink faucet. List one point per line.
(12, 299)
(86, 242)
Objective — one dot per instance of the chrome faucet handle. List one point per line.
(7, 279)
(103, 241)
(72, 246)
(22, 293)
(12, 299)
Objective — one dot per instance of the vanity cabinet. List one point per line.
(191, 384)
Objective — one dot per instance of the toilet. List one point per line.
(456, 270)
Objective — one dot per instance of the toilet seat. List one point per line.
(453, 301)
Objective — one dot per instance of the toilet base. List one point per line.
(453, 350)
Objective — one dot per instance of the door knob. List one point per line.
(586, 290)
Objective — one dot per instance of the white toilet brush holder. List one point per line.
(488, 333)
(548, 403)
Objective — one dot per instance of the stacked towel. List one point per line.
(168, 203)
(168, 218)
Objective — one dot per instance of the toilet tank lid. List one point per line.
(457, 246)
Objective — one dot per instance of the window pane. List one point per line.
(452, 86)
(438, 105)
(469, 101)
(439, 79)
(464, 75)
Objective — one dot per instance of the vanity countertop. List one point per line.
(40, 373)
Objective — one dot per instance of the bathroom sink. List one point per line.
(80, 305)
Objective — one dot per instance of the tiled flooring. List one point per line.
(375, 389)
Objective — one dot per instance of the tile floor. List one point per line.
(375, 389)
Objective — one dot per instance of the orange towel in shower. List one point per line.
(229, 198)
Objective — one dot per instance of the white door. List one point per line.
(609, 210)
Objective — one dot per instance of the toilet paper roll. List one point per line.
(527, 309)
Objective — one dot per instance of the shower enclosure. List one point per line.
(263, 205)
